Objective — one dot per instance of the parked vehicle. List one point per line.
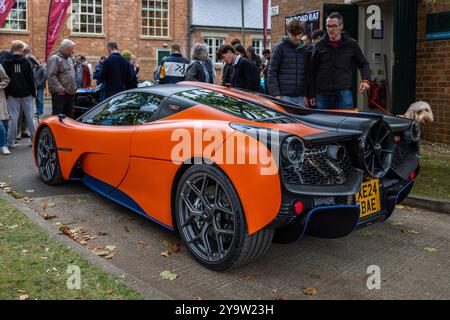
(335, 171)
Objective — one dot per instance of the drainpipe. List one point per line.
(243, 23)
(188, 54)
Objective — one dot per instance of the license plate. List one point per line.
(369, 198)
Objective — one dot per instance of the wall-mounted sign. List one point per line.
(310, 19)
(274, 11)
(438, 26)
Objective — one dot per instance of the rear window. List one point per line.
(237, 107)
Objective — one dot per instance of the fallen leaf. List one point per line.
(80, 200)
(83, 242)
(7, 189)
(29, 191)
(141, 243)
(284, 297)
(110, 291)
(25, 252)
(109, 256)
(21, 291)
(26, 199)
(430, 249)
(14, 227)
(47, 205)
(130, 219)
(397, 224)
(175, 247)
(168, 275)
(166, 243)
(102, 253)
(314, 276)
(198, 298)
(310, 291)
(3, 184)
(49, 216)
(110, 248)
(366, 233)
(413, 231)
(166, 254)
(127, 229)
(250, 277)
(399, 206)
(23, 297)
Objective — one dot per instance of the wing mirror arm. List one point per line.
(61, 117)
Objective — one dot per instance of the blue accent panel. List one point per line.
(401, 190)
(311, 212)
(97, 185)
(117, 196)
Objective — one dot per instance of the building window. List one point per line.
(258, 45)
(155, 18)
(213, 45)
(87, 16)
(17, 17)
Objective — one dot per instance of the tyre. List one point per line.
(47, 158)
(211, 221)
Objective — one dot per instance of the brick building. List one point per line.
(145, 27)
(404, 55)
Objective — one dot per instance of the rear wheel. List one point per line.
(211, 220)
(47, 158)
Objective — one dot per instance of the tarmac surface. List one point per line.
(412, 249)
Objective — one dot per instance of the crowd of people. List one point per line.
(308, 70)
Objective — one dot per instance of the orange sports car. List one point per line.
(231, 170)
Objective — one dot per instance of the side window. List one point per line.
(125, 110)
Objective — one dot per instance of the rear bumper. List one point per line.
(338, 216)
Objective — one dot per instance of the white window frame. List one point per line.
(15, 11)
(216, 42)
(161, 28)
(76, 17)
(259, 50)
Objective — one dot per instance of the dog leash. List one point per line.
(377, 105)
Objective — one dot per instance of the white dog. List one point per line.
(419, 111)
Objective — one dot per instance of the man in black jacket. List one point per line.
(288, 66)
(20, 91)
(243, 72)
(116, 71)
(331, 68)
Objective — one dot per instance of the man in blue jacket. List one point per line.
(173, 67)
(116, 71)
(288, 66)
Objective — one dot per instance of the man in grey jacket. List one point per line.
(61, 78)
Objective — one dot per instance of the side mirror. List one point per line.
(61, 117)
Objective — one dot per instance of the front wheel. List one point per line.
(212, 223)
(47, 158)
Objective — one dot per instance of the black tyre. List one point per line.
(212, 223)
(47, 158)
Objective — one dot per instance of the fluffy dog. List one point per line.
(420, 111)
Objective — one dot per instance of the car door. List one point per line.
(108, 134)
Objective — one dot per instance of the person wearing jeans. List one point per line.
(20, 91)
(288, 66)
(342, 100)
(40, 76)
(61, 79)
(4, 116)
(330, 73)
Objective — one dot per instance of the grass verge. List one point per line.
(434, 178)
(34, 266)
